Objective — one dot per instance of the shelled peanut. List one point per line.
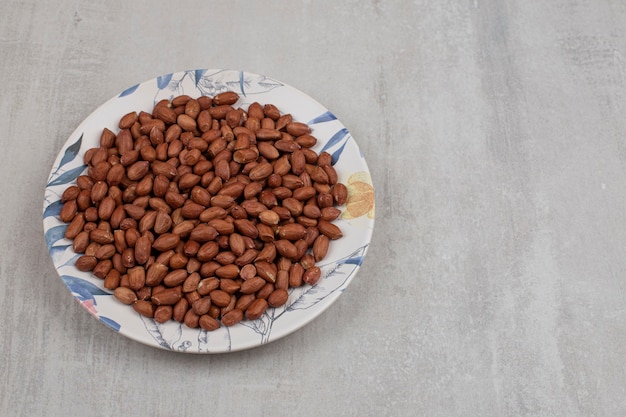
(202, 212)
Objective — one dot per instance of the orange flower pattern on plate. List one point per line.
(360, 196)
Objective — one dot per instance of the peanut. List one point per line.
(204, 213)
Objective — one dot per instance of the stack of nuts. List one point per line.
(202, 212)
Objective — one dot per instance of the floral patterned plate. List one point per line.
(305, 303)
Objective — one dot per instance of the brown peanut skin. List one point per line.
(208, 323)
(311, 275)
(256, 309)
(145, 308)
(163, 313)
(232, 317)
(125, 295)
(278, 297)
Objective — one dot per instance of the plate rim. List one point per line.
(301, 322)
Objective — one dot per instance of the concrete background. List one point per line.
(494, 131)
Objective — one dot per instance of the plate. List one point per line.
(305, 303)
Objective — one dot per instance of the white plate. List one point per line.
(305, 303)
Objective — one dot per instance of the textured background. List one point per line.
(494, 131)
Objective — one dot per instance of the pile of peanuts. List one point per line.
(202, 212)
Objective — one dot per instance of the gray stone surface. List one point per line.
(494, 131)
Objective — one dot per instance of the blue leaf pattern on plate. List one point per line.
(357, 260)
(241, 83)
(198, 75)
(332, 281)
(57, 251)
(335, 139)
(53, 209)
(129, 91)
(259, 325)
(166, 335)
(163, 81)
(71, 151)
(305, 300)
(55, 234)
(67, 176)
(267, 84)
(334, 157)
(83, 289)
(324, 117)
(71, 261)
(220, 81)
(171, 85)
(111, 323)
